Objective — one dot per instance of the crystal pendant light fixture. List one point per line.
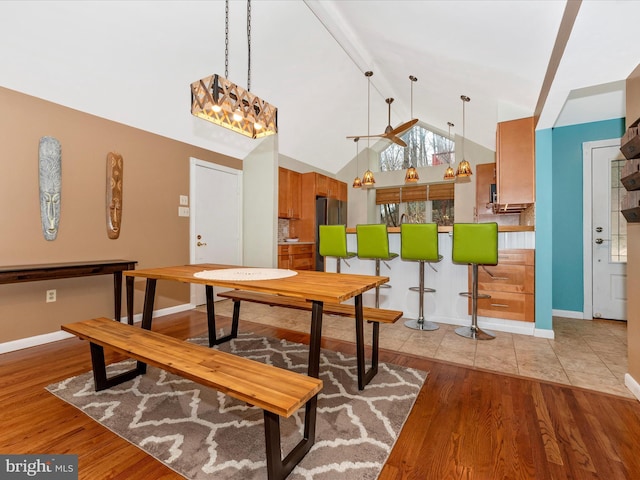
(367, 179)
(464, 167)
(450, 173)
(411, 176)
(357, 183)
(218, 100)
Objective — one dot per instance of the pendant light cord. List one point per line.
(248, 45)
(226, 39)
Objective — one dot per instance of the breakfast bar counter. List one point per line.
(445, 305)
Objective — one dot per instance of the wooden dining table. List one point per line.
(315, 287)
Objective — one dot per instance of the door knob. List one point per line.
(598, 229)
(599, 241)
(202, 244)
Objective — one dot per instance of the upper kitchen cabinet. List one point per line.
(515, 165)
(329, 187)
(288, 193)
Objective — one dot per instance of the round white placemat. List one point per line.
(245, 274)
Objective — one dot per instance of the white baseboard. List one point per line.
(544, 333)
(28, 342)
(568, 314)
(632, 385)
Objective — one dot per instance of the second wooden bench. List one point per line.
(278, 392)
(374, 315)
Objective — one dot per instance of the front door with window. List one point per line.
(608, 235)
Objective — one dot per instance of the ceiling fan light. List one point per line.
(411, 176)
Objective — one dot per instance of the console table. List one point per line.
(52, 271)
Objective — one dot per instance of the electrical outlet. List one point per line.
(184, 200)
(51, 296)
(183, 211)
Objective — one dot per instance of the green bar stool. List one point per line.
(373, 244)
(419, 242)
(475, 244)
(333, 243)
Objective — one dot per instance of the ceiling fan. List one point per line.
(391, 133)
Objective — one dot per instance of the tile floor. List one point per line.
(589, 354)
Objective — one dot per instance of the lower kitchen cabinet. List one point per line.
(511, 284)
(296, 257)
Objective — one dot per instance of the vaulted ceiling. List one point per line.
(133, 62)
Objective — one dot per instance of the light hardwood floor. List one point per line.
(467, 423)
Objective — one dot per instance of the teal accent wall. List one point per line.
(566, 191)
(544, 228)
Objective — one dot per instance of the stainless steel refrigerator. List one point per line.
(329, 211)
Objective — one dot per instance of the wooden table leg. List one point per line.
(117, 294)
(149, 298)
(129, 281)
(316, 337)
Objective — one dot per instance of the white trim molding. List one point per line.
(569, 314)
(34, 341)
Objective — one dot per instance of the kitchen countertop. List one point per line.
(448, 229)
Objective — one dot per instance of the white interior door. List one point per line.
(216, 218)
(608, 235)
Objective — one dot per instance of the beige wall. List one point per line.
(156, 172)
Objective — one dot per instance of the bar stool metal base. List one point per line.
(475, 333)
(421, 324)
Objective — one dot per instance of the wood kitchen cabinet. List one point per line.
(330, 187)
(515, 164)
(288, 193)
(511, 284)
(296, 257)
(485, 175)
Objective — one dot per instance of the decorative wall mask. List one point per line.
(115, 167)
(50, 174)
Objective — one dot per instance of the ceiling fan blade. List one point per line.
(403, 127)
(396, 140)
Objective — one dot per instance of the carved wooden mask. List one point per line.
(115, 166)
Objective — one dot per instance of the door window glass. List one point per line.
(618, 248)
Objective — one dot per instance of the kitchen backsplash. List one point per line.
(283, 229)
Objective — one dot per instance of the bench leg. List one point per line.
(100, 370)
(211, 319)
(277, 467)
(364, 375)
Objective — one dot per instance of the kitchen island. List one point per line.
(445, 305)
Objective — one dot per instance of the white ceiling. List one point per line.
(133, 61)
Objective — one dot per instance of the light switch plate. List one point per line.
(183, 211)
(184, 200)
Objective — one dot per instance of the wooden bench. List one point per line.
(277, 391)
(375, 315)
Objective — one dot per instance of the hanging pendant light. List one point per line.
(218, 100)
(357, 183)
(464, 167)
(367, 179)
(450, 173)
(411, 176)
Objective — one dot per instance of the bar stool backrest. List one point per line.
(475, 243)
(419, 241)
(333, 240)
(373, 241)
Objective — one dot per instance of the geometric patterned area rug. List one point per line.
(203, 434)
